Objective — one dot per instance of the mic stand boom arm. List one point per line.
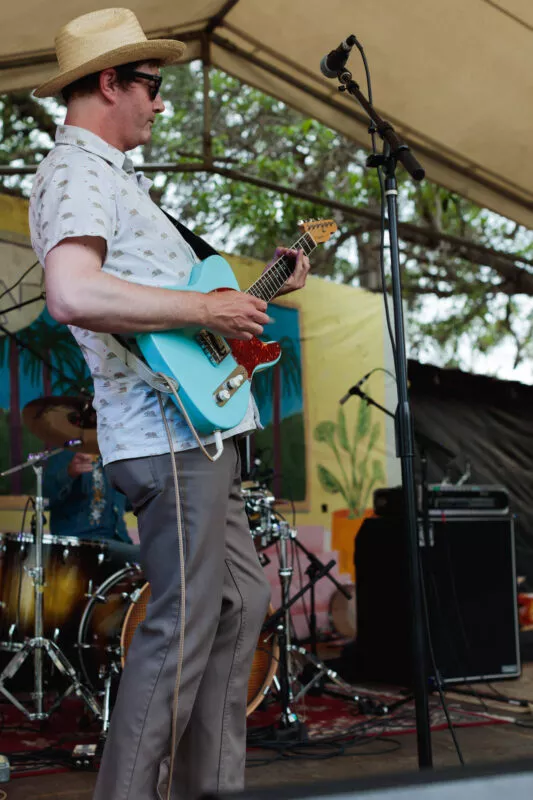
(399, 150)
(395, 150)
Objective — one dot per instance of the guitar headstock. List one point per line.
(319, 229)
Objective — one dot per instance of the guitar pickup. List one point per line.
(215, 347)
(230, 385)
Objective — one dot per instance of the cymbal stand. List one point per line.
(38, 646)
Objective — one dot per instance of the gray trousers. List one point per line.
(226, 602)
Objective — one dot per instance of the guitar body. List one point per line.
(213, 373)
(203, 363)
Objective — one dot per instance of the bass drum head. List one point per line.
(99, 633)
(343, 613)
(265, 661)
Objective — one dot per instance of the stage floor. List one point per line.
(490, 744)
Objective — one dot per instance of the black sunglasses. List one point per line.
(155, 81)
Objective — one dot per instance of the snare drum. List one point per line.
(72, 569)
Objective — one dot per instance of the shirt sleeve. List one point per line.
(76, 199)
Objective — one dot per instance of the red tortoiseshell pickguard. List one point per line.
(254, 352)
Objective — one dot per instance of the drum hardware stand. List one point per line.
(315, 672)
(290, 728)
(38, 645)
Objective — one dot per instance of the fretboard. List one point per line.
(268, 285)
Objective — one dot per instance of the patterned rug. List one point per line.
(376, 713)
(36, 748)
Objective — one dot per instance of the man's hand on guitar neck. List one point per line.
(301, 268)
(236, 315)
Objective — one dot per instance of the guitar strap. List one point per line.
(202, 248)
(125, 349)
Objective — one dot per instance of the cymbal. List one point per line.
(55, 420)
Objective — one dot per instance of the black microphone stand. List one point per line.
(395, 150)
(316, 566)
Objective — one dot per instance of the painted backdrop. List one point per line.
(322, 460)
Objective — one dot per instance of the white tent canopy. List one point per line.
(455, 79)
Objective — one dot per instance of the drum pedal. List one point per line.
(84, 755)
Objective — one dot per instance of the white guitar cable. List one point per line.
(181, 643)
(172, 386)
(164, 385)
(173, 389)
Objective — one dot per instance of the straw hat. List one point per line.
(103, 39)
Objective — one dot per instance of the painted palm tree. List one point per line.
(283, 380)
(50, 352)
(42, 343)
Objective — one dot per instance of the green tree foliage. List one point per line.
(456, 290)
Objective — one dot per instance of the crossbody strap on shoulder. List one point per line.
(125, 349)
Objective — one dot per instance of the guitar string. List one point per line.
(268, 280)
(269, 284)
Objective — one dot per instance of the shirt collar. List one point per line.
(89, 141)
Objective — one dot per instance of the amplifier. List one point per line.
(470, 584)
(447, 500)
(467, 499)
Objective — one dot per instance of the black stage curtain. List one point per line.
(483, 421)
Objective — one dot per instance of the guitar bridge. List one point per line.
(227, 388)
(214, 346)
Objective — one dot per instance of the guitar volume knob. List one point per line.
(223, 395)
(235, 382)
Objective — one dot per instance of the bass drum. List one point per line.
(101, 624)
(342, 612)
(265, 661)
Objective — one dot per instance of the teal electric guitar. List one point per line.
(213, 373)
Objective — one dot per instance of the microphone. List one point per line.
(353, 389)
(336, 59)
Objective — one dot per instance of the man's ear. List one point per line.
(109, 84)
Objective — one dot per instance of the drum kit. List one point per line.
(66, 609)
(30, 623)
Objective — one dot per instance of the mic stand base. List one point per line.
(320, 674)
(294, 732)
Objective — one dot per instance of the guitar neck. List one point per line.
(268, 285)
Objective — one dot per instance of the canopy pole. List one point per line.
(207, 141)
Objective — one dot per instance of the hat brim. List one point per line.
(167, 51)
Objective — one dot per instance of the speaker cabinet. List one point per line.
(470, 585)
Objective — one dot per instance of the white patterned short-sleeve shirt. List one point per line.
(86, 187)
